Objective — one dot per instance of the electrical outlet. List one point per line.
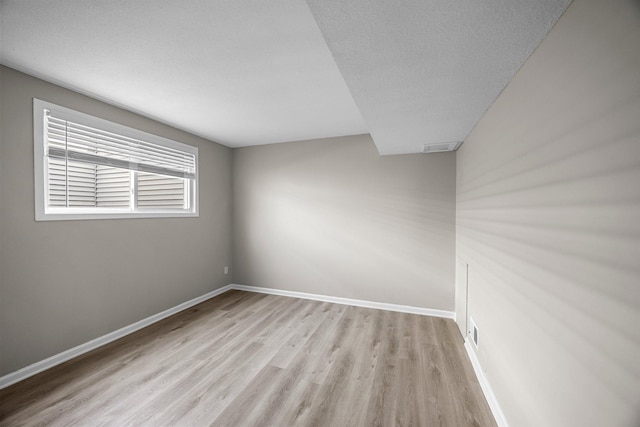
(226, 270)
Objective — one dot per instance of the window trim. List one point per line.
(46, 213)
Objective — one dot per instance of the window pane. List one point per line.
(112, 187)
(87, 167)
(81, 182)
(160, 191)
(57, 183)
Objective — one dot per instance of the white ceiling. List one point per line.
(425, 71)
(250, 72)
(236, 72)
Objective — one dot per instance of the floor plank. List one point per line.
(247, 359)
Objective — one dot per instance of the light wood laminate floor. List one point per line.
(248, 359)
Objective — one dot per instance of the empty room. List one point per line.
(320, 213)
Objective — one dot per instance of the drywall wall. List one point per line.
(66, 282)
(548, 218)
(332, 217)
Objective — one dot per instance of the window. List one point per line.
(89, 168)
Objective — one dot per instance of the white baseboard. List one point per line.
(59, 358)
(81, 349)
(349, 301)
(486, 387)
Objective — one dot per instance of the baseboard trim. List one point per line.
(50, 362)
(59, 358)
(349, 301)
(486, 387)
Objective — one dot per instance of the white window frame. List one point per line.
(43, 212)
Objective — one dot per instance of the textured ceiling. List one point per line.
(250, 72)
(425, 71)
(236, 72)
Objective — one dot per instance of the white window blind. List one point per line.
(84, 144)
(93, 167)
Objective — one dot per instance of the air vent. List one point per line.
(439, 147)
(475, 334)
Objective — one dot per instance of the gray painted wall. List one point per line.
(548, 218)
(64, 283)
(333, 217)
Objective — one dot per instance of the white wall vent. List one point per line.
(473, 332)
(439, 147)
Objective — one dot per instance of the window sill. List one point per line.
(112, 215)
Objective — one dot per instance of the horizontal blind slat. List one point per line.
(118, 145)
(123, 164)
(125, 151)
